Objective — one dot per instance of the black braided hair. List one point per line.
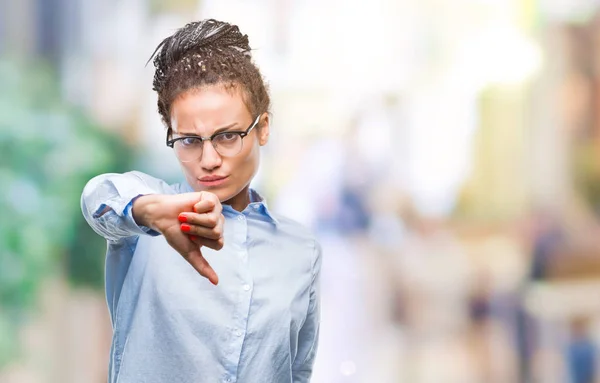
(203, 53)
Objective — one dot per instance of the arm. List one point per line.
(119, 206)
(107, 200)
(308, 338)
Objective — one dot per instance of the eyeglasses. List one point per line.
(189, 148)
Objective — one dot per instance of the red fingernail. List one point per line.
(185, 227)
(182, 218)
(193, 237)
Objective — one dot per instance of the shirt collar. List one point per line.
(258, 203)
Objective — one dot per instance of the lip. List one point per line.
(212, 180)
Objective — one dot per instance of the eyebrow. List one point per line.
(220, 130)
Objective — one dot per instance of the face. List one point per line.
(212, 109)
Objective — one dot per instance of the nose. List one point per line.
(210, 159)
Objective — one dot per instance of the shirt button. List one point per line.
(238, 333)
(246, 287)
(240, 218)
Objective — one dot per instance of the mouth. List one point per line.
(209, 181)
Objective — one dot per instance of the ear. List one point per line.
(264, 129)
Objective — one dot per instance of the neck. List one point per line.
(241, 200)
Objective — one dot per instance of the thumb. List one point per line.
(186, 201)
(206, 202)
(198, 262)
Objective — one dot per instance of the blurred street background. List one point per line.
(446, 153)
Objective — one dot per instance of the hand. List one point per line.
(205, 223)
(162, 212)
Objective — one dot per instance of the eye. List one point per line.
(190, 141)
(227, 137)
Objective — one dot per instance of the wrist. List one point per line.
(143, 209)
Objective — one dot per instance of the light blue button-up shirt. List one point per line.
(171, 325)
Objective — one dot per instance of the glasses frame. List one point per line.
(171, 141)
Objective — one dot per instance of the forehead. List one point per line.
(205, 109)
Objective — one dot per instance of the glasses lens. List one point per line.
(228, 144)
(188, 149)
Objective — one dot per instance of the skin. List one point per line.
(191, 220)
(207, 110)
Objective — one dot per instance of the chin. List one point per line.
(223, 193)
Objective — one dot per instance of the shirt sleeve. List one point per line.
(308, 338)
(107, 199)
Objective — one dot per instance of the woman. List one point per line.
(259, 319)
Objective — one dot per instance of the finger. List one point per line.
(215, 244)
(220, 228)
(201, 265)
(209, 220)
(217, 207)
(204, 206)
(200, 231)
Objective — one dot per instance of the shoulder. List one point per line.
(292, 230)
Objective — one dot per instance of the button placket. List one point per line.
(241, 231)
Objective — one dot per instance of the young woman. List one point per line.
(203, 282)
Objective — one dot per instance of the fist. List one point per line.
(187, 221)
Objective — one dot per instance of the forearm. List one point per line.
(308, 338)
(107, 202)
(301, 376)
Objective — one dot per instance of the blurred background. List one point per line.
(446, 153)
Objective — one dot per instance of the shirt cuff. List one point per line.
(128, 216)
(122, 204)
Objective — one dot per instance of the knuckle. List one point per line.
(212, 197)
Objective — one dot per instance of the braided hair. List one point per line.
(202, 53)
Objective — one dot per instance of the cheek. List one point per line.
(188, 171)
(242, 169)
(246, 165)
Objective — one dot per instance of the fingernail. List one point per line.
(193, 237)
(182, 218)
(185, 227)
